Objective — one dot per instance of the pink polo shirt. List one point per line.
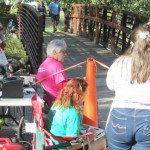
(47, 68)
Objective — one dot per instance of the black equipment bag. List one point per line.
(11, 87)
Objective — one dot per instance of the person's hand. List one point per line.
(91, 137)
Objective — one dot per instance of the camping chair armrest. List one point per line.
(65, 138)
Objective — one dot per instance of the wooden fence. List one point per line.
(30, 31)
(105, 25)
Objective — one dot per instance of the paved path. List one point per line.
(79, 49)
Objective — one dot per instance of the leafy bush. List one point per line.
(18, 58)
(15, 49)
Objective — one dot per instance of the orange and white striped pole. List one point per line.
(90, 114)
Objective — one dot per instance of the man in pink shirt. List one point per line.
(52, 84)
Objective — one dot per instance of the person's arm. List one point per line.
(110, 77)
(60, 78)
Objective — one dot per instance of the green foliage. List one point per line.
(47, 1)
(137, 6)
(4, 9)
(14, 9)
(8, 9)
(15, 49)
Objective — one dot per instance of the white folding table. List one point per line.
(20, 104)
(25, 101)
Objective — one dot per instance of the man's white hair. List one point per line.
(56, 45)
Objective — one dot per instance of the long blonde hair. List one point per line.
(139, 52)
(72, 94)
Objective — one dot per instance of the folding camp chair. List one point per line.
(41, 132)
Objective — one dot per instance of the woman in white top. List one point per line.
(128, 124)
(3, 60)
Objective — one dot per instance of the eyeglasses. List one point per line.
(64, 52)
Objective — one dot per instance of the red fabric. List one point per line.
(37, 110)
(3, 45)
(5, 143)
(1, 28)
(61, 85)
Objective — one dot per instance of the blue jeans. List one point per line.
(128, 129)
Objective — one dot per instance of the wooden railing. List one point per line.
(107, 26)
(30, 31)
